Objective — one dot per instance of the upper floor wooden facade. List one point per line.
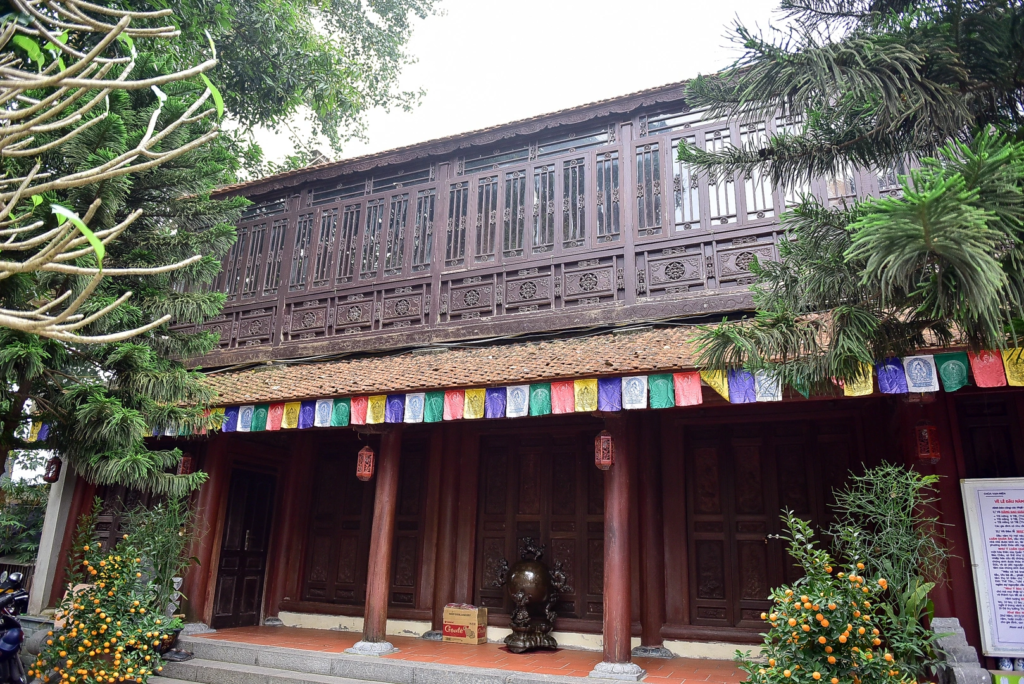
(566, 220)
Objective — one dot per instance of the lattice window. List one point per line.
(648, 189)
(274, 256)
(371, 238)
(394, 252)
(231, 272)
(347, 242)
(543, 208)
(889, 179)
(842, 187)
(486, 218)
(686, 189)
(515, 213)
(607, 201)
(721, 193)
(300, 253)
(325, 247)
(574, 204)
(250, 283)
(423, 231)
(795, 190)
(757, 188)
(455, 237)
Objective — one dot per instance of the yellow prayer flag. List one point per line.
(1013, 361)
(290, 419)
(375, 409)
(718, 380)
(33, 433)
(585, 394)
(862, 386)
(218, 412)
(473, 406)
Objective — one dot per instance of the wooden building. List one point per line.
(566, 246)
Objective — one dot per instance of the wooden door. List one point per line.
(991, 437)
(243, 556)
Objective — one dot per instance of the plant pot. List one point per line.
(168, 641)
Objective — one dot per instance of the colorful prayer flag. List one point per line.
(687, 388)
(892, 379)
(375, 409)
(394, 409)
(742, 389)
(494, 404)
(433, 408)
(341, 413)
(358, 409)
(1013, 361)
(988, 369)
(662, 394)
(245, 418)
(44, 432)
(540, 399)
(230, 422)
(322, 412)
(290, 419)
(562, 397)
(921, 373)
(33, 432)
(767, 387)
(218, 412)
(473, 406)
(454, 402)
(307, 414)
(585, 395)
(862, 385)
(634, 392)
(414, 404)
(718, 381)
(518, 398)
(259, 417)
(953, 370)
(609, 394)
(275, 414)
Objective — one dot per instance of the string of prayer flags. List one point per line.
(322, 411)
(687, 388)
(585, 395)
(307, 415)
(259, 417)
(1013, 360)
(562, 397)
(274, 416)
(609, 394)
(634, 392)
(892, 379)
(341, 413)
(718, 381)
(921, 373)
(453, 404)
(358, 410)
(473, 406)
(394, 408)
(230, 420)
(494, 402)
(660, 391)
(767, 387)
(741, 386)
(245, 418)
(433, 407)
(862, 385)
(290, 418)
(952, 370)
(375, 409)
(987, 367)
(540, 399)
(414, 406)
(518, 401)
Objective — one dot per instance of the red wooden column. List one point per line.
(378, 575)
(617, 663)
(652, 555)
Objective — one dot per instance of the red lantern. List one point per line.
(52, 473)
(927, 443)
(187, 464)
(364, 464)
(604, 450)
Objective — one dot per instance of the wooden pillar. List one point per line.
(617, 618)
(444, 581)
(652, 555)
(382, 534)
(209, 508)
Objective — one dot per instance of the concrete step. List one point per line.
(212, 672)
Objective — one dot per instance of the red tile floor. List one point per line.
(567, 662)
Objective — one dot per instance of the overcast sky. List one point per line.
(487, 62)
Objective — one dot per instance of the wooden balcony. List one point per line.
(576, 219)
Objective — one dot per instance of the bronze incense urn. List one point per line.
(535, 591)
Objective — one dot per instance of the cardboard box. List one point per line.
(464, 624)
(1007, 677)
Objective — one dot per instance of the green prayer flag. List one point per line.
(433, 407)
(662, 392)
(259, 418)
(342, 412)
(953, 370)
(540, 399)
(801, 387)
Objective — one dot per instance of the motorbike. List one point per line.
(13, 602)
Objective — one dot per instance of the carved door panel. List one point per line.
(409, 518)
(991, 438)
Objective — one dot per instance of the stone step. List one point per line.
(212, 672)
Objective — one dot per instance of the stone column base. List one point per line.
(273, 622)
(433, 635)
(196, 628)
(625, 672)
(652, 652)
(372, 648)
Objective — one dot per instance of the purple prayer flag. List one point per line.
(892, 378)
(494, 403)
(609, 394)
(742, 389)
(230, 419)
(44, 432)
(394, 408)
(307, 414)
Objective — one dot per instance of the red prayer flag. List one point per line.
(563, 397)
(988, 369)
(453, 402)
(687, 386)
(274, 416)
(357, 415)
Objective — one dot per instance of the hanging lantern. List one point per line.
(364, 464)
(927, 443)
(52, 473)
(604, 450)
(187, 464)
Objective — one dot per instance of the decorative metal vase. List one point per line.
(535, 591)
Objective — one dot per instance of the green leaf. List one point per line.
(37, 200)
(89, 235)
(31, 48)
(217, 99)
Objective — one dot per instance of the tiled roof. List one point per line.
(644, 351)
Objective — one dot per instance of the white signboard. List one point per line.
(995, 529)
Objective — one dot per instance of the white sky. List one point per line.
(487, 62)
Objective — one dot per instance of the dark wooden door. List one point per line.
(991, 437)
(243, 555)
